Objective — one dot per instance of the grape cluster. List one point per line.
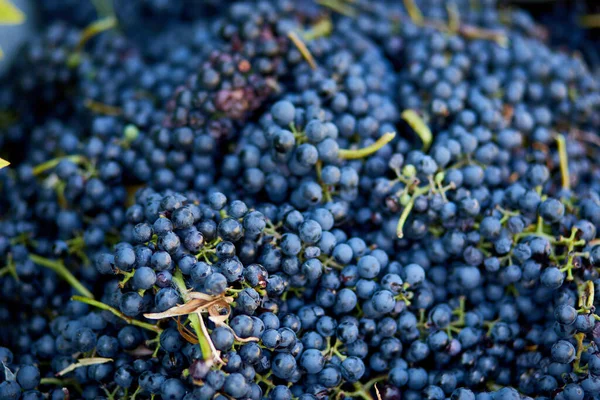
(278, 200)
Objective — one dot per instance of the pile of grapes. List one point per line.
(313, 199)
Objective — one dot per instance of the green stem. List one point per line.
(414, 12)
(61, 382)
(320, 29)
(564, 162)
(325, 188)
(577, 368)
(301, 46)
(404, 217)
(137, 390)
(53, 381)
(339, 7)
(415, 121)
(59, 268)
(453, 17)
(363, 390)
(590, 21)
(126, 277)
(408, 208)
(193, 318)
(95, 28)
(117, 313)
(43, 167)
(345, 154)
(10, 268)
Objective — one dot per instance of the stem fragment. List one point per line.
(293, 36)
(43, 167)
(419, 126)
(117, 313)
(564, 161)
(194, 318)
(59, 268)
(320, 29)
(345, 154)
(95, 28)
(339, 6)
(414, 12)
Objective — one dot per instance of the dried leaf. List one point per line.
(216, 353)
(10, 14)
(219, 320)
(186, 333)
(182, 309)
(84, 362)
(140, 351)
(216, 313)
(200, 296)
(209, 298)
(245, 340)
(198, 302)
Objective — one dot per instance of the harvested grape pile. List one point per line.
(298, 200)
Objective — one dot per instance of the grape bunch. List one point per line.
(300, 200)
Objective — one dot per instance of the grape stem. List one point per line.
(320, 29)
(194, 318)
(293, 36)
(41, 168)
(417, 123)
(61, 382)
(59, 268)
(590, 21)
(414, 12)
(94, 29)
(338, 6)
(564, 162)
(117, 313)
(345, 154)
(408, 208)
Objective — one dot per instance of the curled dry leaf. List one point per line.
(84, 362)
(187, 334)
(197, 302)
(219, 313)
(217, 307)
(181, 309)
